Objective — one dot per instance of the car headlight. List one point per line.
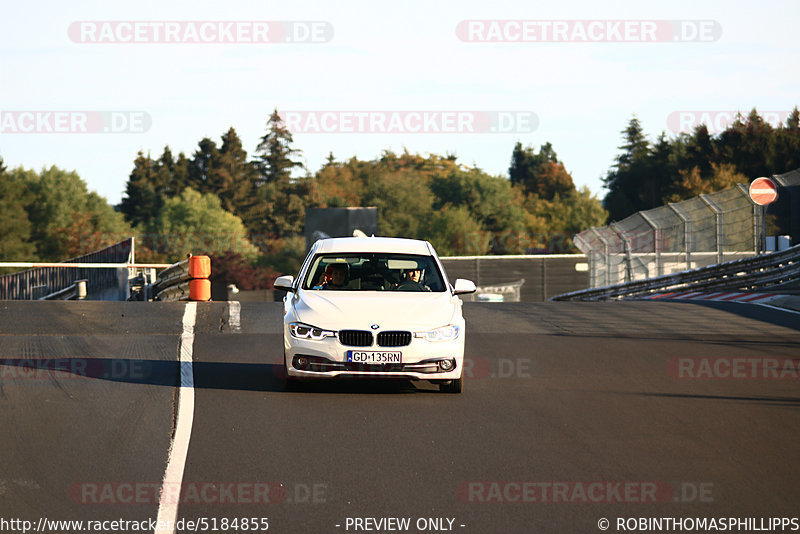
(304, 331)
(444, 333)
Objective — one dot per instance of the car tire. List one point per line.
(452, 386)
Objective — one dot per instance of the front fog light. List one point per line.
(447, 365)
(300, 362)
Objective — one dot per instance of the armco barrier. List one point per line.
(106, 271)
(778, 269)
(185, 280)
(76, 291)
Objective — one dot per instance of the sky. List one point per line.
(86, 85)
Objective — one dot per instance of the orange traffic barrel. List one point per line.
(200, 289)
(199, 267)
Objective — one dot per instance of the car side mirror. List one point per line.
(285, 282)
(462, 287)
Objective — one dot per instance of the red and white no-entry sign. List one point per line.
(763, 191)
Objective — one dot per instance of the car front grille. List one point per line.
(355, 338)
(398, 338)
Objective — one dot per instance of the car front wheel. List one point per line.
(452, 386)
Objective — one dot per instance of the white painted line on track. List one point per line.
(173, 476)
(774, 307)
(235, 316)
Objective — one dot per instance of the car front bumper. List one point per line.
(328, 359)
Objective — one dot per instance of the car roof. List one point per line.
(373, 244)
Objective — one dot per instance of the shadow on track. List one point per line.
(207, 375)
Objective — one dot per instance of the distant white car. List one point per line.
(374, 307)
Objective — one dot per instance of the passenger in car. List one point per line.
(335, 276)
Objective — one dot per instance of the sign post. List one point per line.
(763, 191)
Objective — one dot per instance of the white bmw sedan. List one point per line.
(374, 307)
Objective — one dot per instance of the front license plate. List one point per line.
(359, 356)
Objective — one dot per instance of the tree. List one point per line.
(171, 176)
(15, 228)
(403, 199)
(201, 165)
(275, 153)
(540, 174)
(196, 223)
(556, 221)
(490, 199)
(233, 268)
(624, 180)
(66, 219)
(281, 205)
(454, 231)
(693, 183)
(143, 200)
(231, 177)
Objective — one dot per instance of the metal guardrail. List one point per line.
(107, 271)
(768, 270)
(173, 282)
(180, 281)
(76, 291)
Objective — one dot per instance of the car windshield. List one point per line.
(374, 272)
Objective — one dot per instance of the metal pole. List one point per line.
(719, 223)
(656, 244)
(686, 235)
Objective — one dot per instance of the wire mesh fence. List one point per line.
(701, 231)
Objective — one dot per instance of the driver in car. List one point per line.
(411, 281)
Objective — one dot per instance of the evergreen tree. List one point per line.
(281, 206)
(201, 165)
(143, 200)
(231, 177)
(624, 182)
(275, 153)
(787, 144)
(180, 174)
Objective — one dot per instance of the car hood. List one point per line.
(390, 310)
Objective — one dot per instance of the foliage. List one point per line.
(195, 223)
(15, 227)
(540, 174)
(646, 175)
(248, 212)
(66, 219)
(280, 206)
(233, 268)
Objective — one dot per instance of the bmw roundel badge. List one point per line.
(374, 326)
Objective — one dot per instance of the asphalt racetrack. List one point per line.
(572, 413)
